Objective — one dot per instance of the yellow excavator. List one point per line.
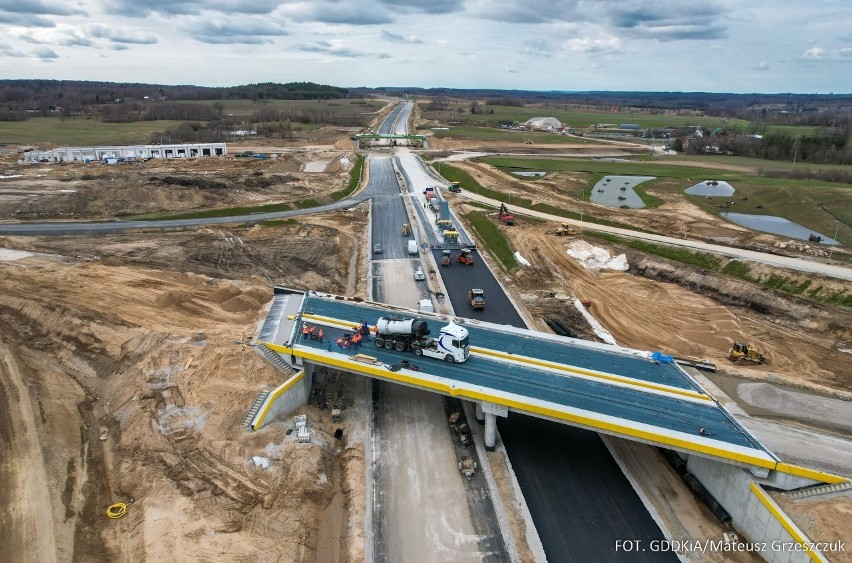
(742, 353)
(406, 229)
(566, 229)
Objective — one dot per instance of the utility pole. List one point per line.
(831, 250)
(582, 203)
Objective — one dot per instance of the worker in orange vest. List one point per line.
(305, 331)
(340, 342)
(356, 340)
(313, 332)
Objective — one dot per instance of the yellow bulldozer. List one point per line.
(406, 229)
(565, 229)
(741, 353)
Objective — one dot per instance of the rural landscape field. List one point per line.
(466, 281)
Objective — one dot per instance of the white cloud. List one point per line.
(587, 45)
(760, 66)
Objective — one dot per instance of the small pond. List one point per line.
(776, 226)
(711, 188)
(617, 191)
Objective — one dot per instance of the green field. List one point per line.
(814, 204)
(78, 131)
(586, 119)
(496, 134)
(244, 108)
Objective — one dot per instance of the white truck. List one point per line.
(452, 344)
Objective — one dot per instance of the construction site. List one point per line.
(160, 400)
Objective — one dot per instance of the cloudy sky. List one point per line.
(687, 45)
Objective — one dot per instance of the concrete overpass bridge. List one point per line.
(608, 389)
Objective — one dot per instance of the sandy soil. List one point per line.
(102, 404)
(818, 517)
(77, 191)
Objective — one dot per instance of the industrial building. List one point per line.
(129, 152)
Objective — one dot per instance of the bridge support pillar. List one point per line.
(480, 415)
(490, 431)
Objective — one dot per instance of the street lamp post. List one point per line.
(582, 203)
(831, 250)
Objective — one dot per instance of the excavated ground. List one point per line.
(76, 191)
(100, 402)
(97, 403)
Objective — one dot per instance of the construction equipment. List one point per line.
(505, 216)
(446, 258)
(444, 225)
(565, 229)
(467, 467)
(476, 298)
(454, 187)
(451, 237)
(528, 142)
(465, 257)
(406, 229)
(741, 353)
(452, 344)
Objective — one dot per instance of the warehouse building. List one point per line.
(113, 154)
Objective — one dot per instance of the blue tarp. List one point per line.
(662, 358)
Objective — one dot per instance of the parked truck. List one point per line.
(452, 344)
(477, 299)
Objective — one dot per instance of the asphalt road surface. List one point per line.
(459, 278)
(578, 497)
(388, 213)
(398, 115)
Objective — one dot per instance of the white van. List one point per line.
(412, 247)
(425, 306)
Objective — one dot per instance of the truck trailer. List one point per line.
(451, 345)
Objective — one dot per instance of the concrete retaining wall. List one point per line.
(755, 516)
(287, 397)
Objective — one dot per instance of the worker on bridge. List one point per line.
(319, 335)
(305, 331)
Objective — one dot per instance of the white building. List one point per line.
(130, 152)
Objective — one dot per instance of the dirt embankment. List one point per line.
(110, 394)
(687, 312)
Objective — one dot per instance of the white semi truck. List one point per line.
(452, 344)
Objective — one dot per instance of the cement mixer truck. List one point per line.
(452, 344)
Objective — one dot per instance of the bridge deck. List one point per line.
(595, 386)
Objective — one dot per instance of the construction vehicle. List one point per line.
(446, 258)
(476, 298)
(452, 344)
(406, 229)
(741, 353)
(465, 257)
(444, 225)
(451, 237)
(505, 216)
(467, 467)
(455, 187)
(528, 142)
(565, 229)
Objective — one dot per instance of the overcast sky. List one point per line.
(688, 45)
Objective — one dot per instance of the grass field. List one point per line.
(244, 108)
(586, 119)
(496, 134)
(83, 131)
(78, 131)
(817, 205)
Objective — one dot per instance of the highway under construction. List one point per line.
(509, 372)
